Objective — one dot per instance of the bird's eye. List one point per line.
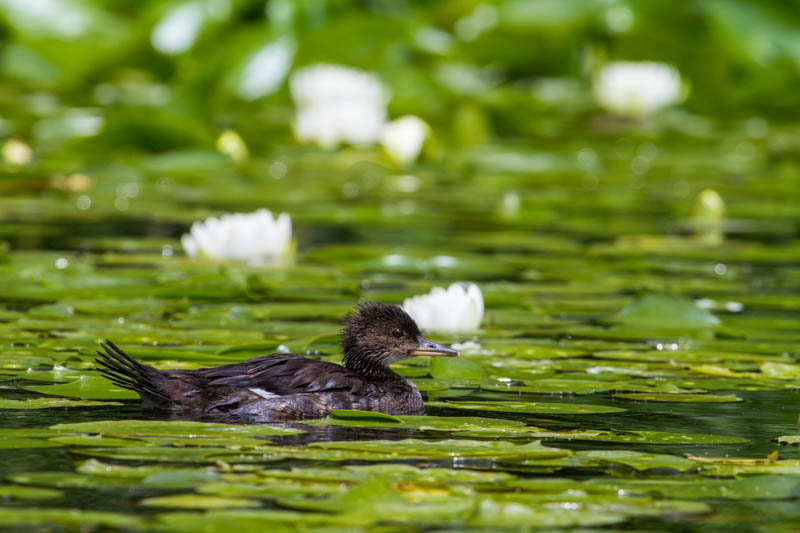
(397, 332)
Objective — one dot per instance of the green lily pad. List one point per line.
(355, 414)
(14, 492)
(529, 407)
(198, 501)
(72, 518)
(71, 480)
(48, 403)
(12, 443)
(665, 311)
(444, 448)
(365, 495)
(679, 398)
(641, 461)
(88, 388)
(175, 428)
(515, 514)
(640, 437)
(200, 455)
(222, 521)
(97, 440)
(748, 488)
(151, 475)
(454, 368)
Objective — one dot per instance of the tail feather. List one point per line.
(128, 373)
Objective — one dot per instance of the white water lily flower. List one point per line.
(457, 309)
(256, 238)
(637, 89)
(336, 105)
(403, 138)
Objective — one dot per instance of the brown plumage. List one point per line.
(286, 386)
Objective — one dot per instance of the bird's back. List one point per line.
(268, 388)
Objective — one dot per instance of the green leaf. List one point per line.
(86, 387)
(641, 461)
(454, 368)
(13, 492)
(197, 501)
(72, 518)
(665, 312)
(48, 403)
(444, 448)
(679, 398)
(529, 407)
(355, 414)
(175, 428)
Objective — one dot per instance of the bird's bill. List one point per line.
(427, 347)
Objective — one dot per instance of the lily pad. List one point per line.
(665, 311)
(86, 387)
(14, 492)
(454, 368)
(445, 448)
(640, 437)
(354, 414)
(529, 407)
(48, 403)
(641, 461)
(175, 428)
(72, 518)
(198, 501)
(679, 398)
(423, 423)
(12, 443)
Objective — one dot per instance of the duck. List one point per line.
(287, 386)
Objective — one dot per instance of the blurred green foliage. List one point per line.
(450, 61)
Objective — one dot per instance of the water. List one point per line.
(558, 249)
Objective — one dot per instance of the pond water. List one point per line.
(597, 392)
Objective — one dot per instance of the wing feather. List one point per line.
(284, 374)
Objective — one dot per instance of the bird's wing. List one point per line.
(284, 374)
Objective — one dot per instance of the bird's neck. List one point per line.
(369, 368)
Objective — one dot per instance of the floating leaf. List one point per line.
(665, 311)
(72, 518)
(445, 448)
(86, 387)
(641, 461)
(47, 403)
(355, 414)
(679, 398)
(198, 501)
(529, 407)
(13, 492)
(175, 428)
(641, 437)
(755, 487)
(454, 368)
(12, 443)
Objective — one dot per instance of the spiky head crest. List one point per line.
(376, 335)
